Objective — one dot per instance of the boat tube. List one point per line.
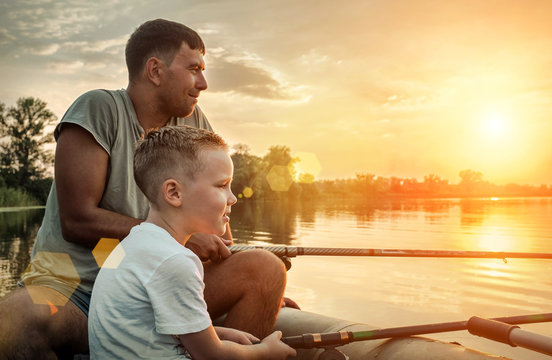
(293, 322)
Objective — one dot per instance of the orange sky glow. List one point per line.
(392, 88)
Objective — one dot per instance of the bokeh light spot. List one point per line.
(306, 167)
(104, 248)
(247, 192)
(60, 266)
(279, 178)
(53, 308)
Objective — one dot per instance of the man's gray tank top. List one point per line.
(110, 117)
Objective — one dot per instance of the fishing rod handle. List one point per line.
(491, 329)
(509, 334)
(309, 341)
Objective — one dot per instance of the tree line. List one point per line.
(25, 164)
(253, 172)
(472, 184)
(25, 170)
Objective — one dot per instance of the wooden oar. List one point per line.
(320, 340)
(293, 251)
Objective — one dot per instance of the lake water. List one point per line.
(384, 291)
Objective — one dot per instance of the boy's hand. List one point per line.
(277, 349)
(209, 247)
(237, 336)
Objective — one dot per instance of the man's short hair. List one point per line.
(160, 38)
(171, 152)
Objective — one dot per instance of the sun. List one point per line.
(495, 123)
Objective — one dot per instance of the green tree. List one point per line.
(471, 180)
(23, 160)
(280, 155)
(434, 184)
(364, 183)
(247, 171)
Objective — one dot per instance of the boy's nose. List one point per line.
(233, 199)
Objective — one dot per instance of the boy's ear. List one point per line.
(172, 192)
(153, 70)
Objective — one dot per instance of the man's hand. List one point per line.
(209, 247)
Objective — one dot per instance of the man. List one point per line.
(94, 197)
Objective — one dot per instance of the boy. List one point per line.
(150, 305)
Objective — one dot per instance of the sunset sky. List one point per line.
(394, 88)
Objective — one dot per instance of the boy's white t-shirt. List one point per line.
(156, 291)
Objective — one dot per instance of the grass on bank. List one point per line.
(15, 197)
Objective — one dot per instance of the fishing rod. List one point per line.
(327, 340)
(293, 251)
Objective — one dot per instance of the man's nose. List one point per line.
(201, 82)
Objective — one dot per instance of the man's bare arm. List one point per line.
(81, 171)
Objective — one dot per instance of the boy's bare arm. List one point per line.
(81, 170)
(237, 336)
(205, 345)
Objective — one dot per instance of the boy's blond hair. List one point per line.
(168, 153)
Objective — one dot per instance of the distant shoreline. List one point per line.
(20, 208)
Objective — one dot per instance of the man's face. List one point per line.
(208, 197)
(182, 82)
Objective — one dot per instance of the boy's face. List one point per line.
(208, 197)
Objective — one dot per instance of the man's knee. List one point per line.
(252, 270)
(264, 271)
(39, 320)
(261, 263)
(23, 327)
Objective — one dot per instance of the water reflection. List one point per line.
(473, 211)
(271, 221)
(17, 235)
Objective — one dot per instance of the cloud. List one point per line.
(99, 46)
(207, 30)
(47, 20)
(244, 74)
(313, 57)
(5, 36)
(65, 67)
(44, 50)
(269, 124)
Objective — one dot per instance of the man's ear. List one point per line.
(154, 70)
(172, 192)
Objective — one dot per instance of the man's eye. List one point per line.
(195, 70)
